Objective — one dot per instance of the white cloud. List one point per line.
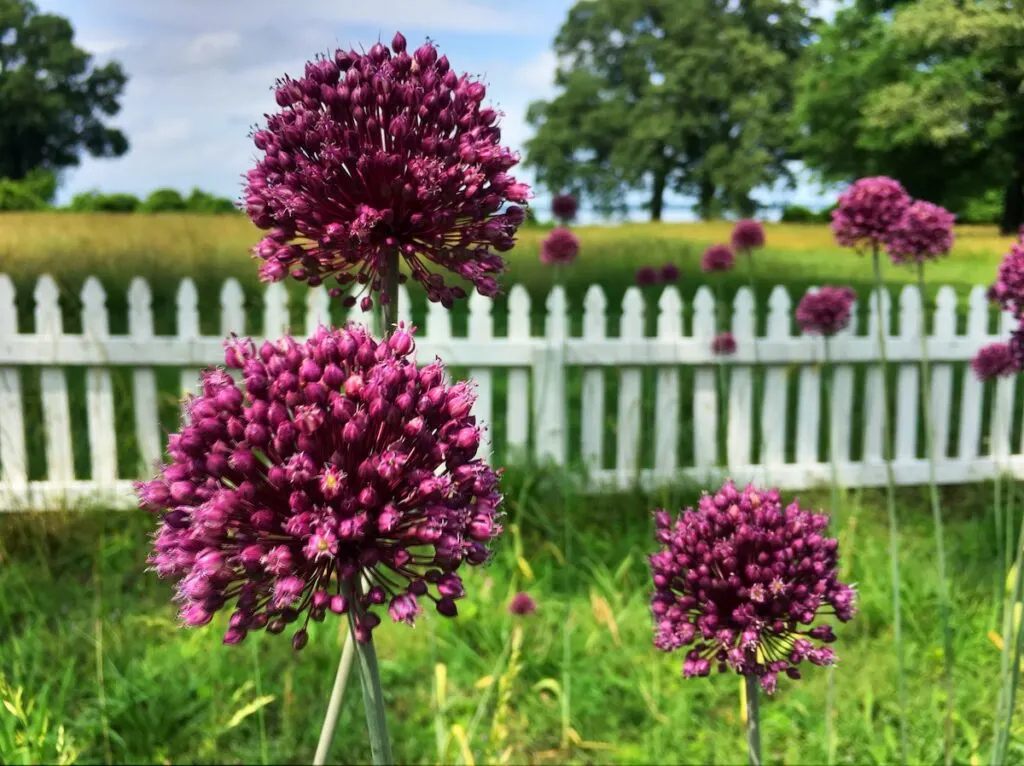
(211, 47)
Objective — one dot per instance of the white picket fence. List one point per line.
(539, 365)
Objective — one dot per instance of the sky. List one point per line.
(201, 74)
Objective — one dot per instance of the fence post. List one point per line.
(941, 405)
(808, 403)
(56, 413)
(517, 421)
(549, 383)
(873, 389)
(773, 408)
(627, 452)
(741, 395)
(99, 391)
(592, 395)
(908, 377)
(705, 384)
(188, 330)
(147, 418)
(972, 390)
(481, 330)
(666, 398)
(13, 456)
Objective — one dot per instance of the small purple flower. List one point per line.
(825, 311)
(383, 482)
(740, 580)
(382, 152)
(669, 273)
(646, 276)
(560, 247)
(717, 258)
(723, 344)
(925, 232)
(564, 207)
(869, 211)
(996, 360)
(747, 235)
(522, 604)
(1008, 292)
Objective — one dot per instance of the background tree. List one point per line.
(929, 91)
(665, 96)
(53, 99)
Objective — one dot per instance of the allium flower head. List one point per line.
(869, 211)
(564, 207)
(335, 458)
(825, 311)
(1008, 292)
(924, 233)
(669, 273)
(522, 604)
(740, 579)
(748, 234)
(717, 258)
(995, 360)
(723, 344)
(379, 152)
(646, 276)
(560, 247)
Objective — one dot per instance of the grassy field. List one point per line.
(90, 639)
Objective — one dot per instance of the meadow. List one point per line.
(90, 639)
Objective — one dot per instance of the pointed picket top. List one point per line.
(140, 308)
(944, 323)
(743, 314)
(911, 314)
(232, 308)
(404, 306)
(439, 322)
(595, 306)
(481, 323)
(318, 309)
(779, 313)
(94, 308)
(8, 312)
(670, 313)
(557, 322)
(518, 312)
(188, 309)
(704, 313)
(631, 325)
(977, 312)
(276, 322)
(47, 313)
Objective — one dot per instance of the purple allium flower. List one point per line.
(869, 211)
(717, 258)
(748, 234)
(560, 247)
(925, 232)
(723, 344)
(740, 580)
(564, 207)
(380, 152)
(522, 604)
(995, 360)
(669, 273)
(826, 311)
(321, 467)
(646, 276)
(1008, 292)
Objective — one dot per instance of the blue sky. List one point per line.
(201, 73)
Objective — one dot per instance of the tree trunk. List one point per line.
(1013, 205)
(705, 199)
(658, 193)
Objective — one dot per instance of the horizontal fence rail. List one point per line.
(83, 414)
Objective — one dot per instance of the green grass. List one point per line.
(176, 695)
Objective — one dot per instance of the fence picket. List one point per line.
(53, 382)
(13, 456)
(592, 424)
(188, 329)
(99, 389)
(1001, 422)
(517, 428)
(841, 406)
(549, 382)
(666, 401)
(741, 393)
(908, 376)
(627, 451)
(481, 330)
(808, 416)
(276, 320)
(705, 387)
(874, 422)
(318, 310)
(943, 328)
(773, 411)
(147, 419)
(972, 390)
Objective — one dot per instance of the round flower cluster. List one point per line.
(380, 153)
(825, 311)
(522, 604)
(560, 247)
(648, 276)
(869, 211)
(717, 258)
(748, 234)
(741, 579)
(564, 207)
(1008, 292)
(335, 462)
(924, 232)
(723, 344)
(995, 360)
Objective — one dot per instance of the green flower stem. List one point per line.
(373, 697)
(830, 690)
(1010, 672)
(940, 544)
(890, 504)
(753, 721)
(334, 704)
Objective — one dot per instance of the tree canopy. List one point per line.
(53, 98)
(663, 95)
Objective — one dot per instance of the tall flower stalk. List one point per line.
(720, 259)
(867, 213)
